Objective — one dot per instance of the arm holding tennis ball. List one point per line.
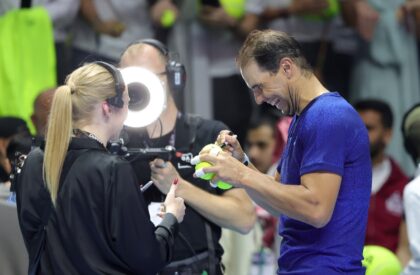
(233, 209)
(164, 13)
(213, 149)
(226, 145)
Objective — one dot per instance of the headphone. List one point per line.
(408, 144)
(117, 100)
(175, 71)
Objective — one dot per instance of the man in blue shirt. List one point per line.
(325, 170)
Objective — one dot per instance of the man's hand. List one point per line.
(163, 174)
(412, 5)
(366, 19)
(4, 161)
(112, 27)
(216, 17)
(229, 143)
(158, 9)
(225, 167)
(302, 7)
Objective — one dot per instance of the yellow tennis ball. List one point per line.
(209, 176)
(168, 18)
(204, 164)
(379, 260)
(328, 13)
(223, 185)
(234, 8)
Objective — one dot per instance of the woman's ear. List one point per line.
(106, 109)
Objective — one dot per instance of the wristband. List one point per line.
(246, 160)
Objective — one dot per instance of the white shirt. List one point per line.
(380, 174)
(412, 214)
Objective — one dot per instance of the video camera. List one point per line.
(141, 154)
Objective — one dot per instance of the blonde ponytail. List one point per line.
(57, 139)
(72, 107)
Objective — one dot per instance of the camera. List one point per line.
(141, 154)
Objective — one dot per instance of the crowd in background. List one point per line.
(367, 50)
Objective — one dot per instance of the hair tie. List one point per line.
(72, 89)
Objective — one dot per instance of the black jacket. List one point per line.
(100, 224)
(190, 135)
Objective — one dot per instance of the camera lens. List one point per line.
(139, 96)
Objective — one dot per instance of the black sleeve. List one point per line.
(33, 205)
(165, 234)
(143, 247)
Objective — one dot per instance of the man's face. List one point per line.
(41, 111)
(260, 145)
(147, 57)
(379, 136)
(268, 87)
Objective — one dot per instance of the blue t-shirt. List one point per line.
(328, 136)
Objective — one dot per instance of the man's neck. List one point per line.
(167, 121)
(308, 88)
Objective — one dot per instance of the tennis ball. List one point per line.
(204, 164)
(331, 11)
(168, 18)
(209, 176)
(234, 8)
(379, 260)
(223, 185)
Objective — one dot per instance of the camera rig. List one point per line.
(141, 154)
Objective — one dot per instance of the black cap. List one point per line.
(10, 126)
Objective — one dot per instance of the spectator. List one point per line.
(385, 216)
(411, 133)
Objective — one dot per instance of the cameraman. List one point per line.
(197, 247)
(79, 207)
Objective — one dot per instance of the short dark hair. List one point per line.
(379, 106)
(413, 137)
(10, 126)
(268, 47)
(258, 121)
(410, 127)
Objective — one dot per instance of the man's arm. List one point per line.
(110, 27)
(403, 249)
(233, 209)
(311, 202)
(360, 15)
(62, 12)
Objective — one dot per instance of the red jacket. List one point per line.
(386, 209)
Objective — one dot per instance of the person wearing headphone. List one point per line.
(411, 135)
(197, 247)
(79, 207)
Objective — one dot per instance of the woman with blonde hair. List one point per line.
(80, 208)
